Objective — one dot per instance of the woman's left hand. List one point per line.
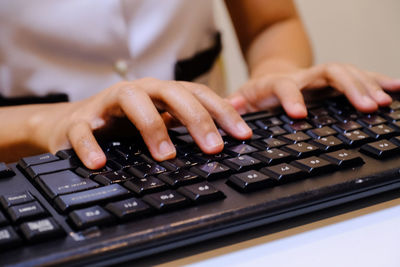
(365, 90)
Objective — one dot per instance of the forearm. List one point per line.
(270, 34)
(16, 135)
(283, 46)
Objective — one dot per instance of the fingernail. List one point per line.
(95, 158)
(383, 97)
(299, 108)
(213, 140)
(243, 128)
(367, 100)
(166, 148)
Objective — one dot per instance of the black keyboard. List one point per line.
(55, 211)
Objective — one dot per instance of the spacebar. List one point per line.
(89, 197)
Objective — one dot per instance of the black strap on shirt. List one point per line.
(200, 63)
(26, 100)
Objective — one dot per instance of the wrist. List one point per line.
(273, 65)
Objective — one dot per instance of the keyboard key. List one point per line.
(15, 199)
(242, 163)
(90, 197)
(371, 120)
(323, 121)
(345, 127)
(5, 171)
(392, 116)
(128, 162)
(380, 149)
(66, 154)
(328, 143)
(347, 116)
(186, 139)
(284, 172)
(179, 178)
(395, 105)
(295, 137)
(8, 238)
(277, 130)
(314, 165)
(272, 156)
(273, 143)
(23, 212)
(211, 170)
(201, 192)
(145, 185)
(35, 160)
(44, 229)
(180, 130)
(54, 166)
(64, 182)
(112, 177)
(166, 200)
(380, 131)
(354, 138)
(128, 152)
(173, 164)
(88, 173)
(205, 158)
(3, 219)
(296, 126)
(91, 216)
(343, 158)
(130, 208)
(301, 149)
(269, 122)
(318, 112)
(321, 132)
(147, 169)
(395, 140)
(240, 150)
(251, 181)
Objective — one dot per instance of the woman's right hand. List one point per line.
(61, 126)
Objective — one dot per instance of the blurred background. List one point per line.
(361, 32)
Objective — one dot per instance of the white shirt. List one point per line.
(82, 46)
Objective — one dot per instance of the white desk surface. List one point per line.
(365, 237)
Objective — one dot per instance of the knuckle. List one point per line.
(201, 118)
(152, 125)
(332, 69)
(171, 90)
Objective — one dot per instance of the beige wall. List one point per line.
(365, 33)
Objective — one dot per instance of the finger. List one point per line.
(221, 110)
(238, 102)
(386, 82)
(140, 110)
(181, 103)
(290, 97)
(374, 90)
(255, 95)
(85, 145)
(341, 79)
